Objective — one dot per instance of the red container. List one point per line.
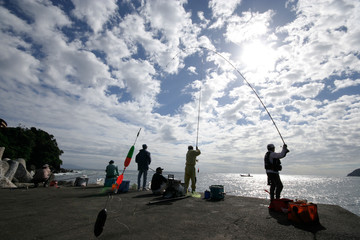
(280, 205)
(305, 213)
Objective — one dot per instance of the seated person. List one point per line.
(43, 175)
(112, 170)
(158, 182)
(112, 173)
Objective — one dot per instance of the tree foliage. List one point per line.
(36, 146)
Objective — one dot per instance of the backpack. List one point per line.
(275, 166)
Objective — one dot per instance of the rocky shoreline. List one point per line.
(14, 174)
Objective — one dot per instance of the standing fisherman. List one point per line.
(143, 159)
(273, 166)
(190, 167)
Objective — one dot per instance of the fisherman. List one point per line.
(143, 159)
(43, 175)
(112, 170)
(273, 166)
(158, 182)
(190, 170)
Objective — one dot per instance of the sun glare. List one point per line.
(257, 56)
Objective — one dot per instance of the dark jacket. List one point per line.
(157, 180)
(112, 171)
(143, 159)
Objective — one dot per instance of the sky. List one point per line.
(92, 73)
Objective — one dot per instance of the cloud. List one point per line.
(112, 44)
(95, 13)
(94, 87)
(345, 83)
(192, 69)
(17, 65)
(314, 42)
(138, 80)
(221, 10)
(249, 26)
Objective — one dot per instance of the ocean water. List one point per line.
(342, 191)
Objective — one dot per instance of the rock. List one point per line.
(21, 174)
(24, 185)
(13, 166)
(4, 167)
(355, 173)
(6, 183)
(2, 149)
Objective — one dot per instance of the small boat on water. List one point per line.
(246, 175)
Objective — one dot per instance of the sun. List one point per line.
(256, 55)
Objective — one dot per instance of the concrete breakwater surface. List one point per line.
(342, 191)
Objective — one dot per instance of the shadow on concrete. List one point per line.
(146, 195)
(94, 195)
(280, 217)
(283, 220)
(166, 201)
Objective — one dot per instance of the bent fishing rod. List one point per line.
(197, 131)
(243, 77)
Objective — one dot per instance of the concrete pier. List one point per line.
(70, 213)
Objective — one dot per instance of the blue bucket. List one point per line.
(124, 186)
(217, 192)
(207, 194)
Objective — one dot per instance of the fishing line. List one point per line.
(205, 48)
(107, 201)
(123, 225)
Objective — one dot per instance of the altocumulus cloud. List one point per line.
(93, 72)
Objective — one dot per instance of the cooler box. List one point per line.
(81, 181)
(303, 212)
(124, 186)
(109, 182)
(217, 192)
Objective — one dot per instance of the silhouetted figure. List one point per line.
(273, 166)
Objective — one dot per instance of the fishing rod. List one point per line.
(198, 122)
(262, 103)
(102, 215)
(197, 131)
(115, 187)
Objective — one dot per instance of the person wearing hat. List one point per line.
(143, 159)
(190, 167)
(273, 166)
(112, 170)
(43, 175)
(158, 182)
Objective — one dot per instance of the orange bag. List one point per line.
(302, 212)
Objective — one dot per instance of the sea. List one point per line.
(342, 191)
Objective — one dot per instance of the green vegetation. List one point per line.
(36, 146)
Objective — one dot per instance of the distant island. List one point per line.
(355, 173)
